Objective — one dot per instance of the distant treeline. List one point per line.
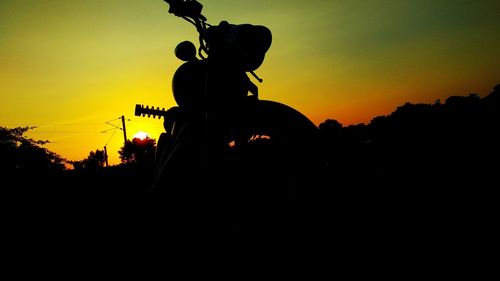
(420, 143)
(422, 179)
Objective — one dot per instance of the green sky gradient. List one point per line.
(69, 66)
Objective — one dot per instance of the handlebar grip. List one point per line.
(171, 4)
(185, 8)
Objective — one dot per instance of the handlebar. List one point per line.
(190, 10)
(186, 8)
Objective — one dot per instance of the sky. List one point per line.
(73, 68)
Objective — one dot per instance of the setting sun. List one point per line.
(140, 135)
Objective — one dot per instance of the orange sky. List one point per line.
(68, 67)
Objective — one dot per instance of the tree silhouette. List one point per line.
(25, 154)
(138, 151)
(94, 161)
(448, 144)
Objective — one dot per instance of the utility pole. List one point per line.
(124, 131)
(106, 156)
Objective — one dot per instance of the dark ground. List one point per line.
(420, 182)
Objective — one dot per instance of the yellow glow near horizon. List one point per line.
(69, 67)
(140, 135)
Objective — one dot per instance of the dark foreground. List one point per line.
(366, 213)
(420, 182)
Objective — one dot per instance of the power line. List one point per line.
(123, 127)
(111, 137)
(53, 128)
(113, 120)
(67, 132)
(35, 128)
(47, 124)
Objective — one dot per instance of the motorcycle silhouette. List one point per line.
(223, 147)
